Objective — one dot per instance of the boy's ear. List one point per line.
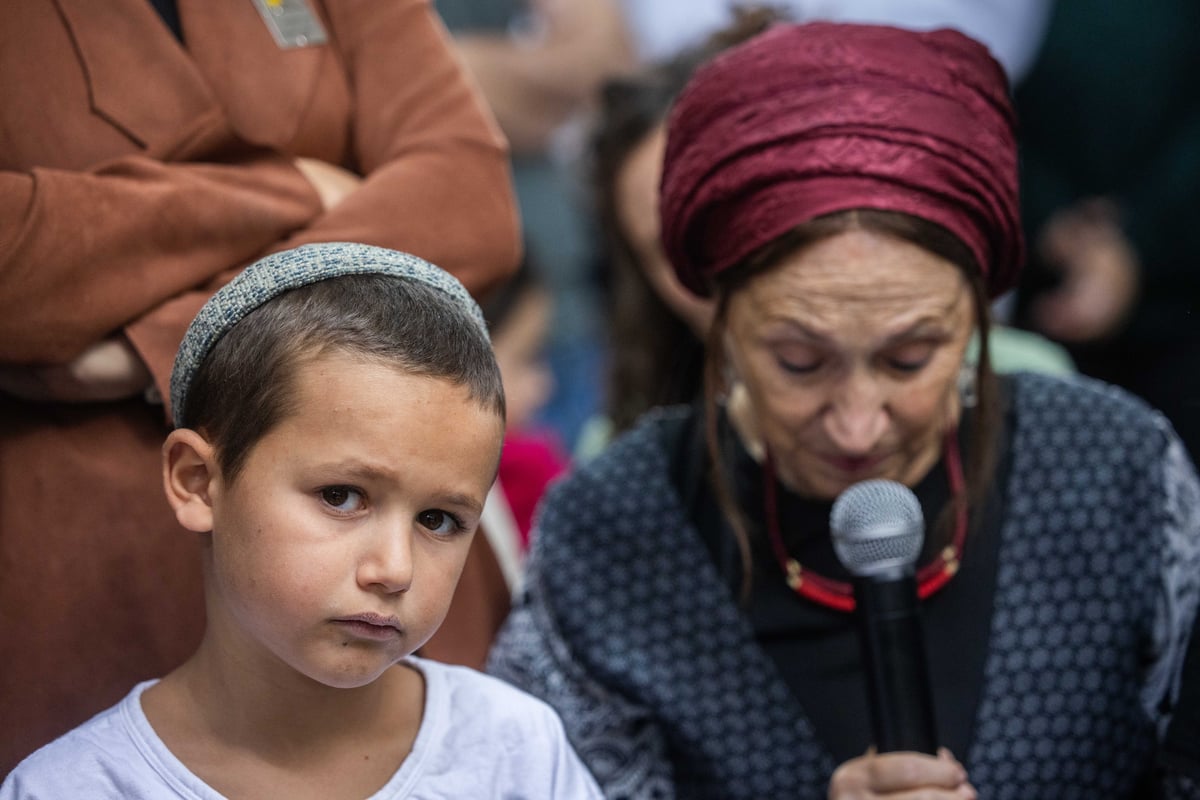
(189, 473)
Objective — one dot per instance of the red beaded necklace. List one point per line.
(840, 594)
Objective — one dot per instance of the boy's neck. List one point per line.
(238, 730)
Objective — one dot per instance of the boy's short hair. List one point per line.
(233, 377)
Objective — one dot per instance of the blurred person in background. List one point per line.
(539, 64)
(519, 319)
(1011, 29)
(656, 327)
(1110, 149)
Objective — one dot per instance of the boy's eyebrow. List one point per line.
(463, 501)
(354, 466)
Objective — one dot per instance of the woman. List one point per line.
(1111, 184)
(847, 196)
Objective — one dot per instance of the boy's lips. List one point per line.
(371, 626)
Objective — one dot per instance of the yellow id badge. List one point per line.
(291, 22)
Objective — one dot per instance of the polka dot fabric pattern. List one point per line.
(619, 741)
(670, 636)
(1076, 616)
(630, 632)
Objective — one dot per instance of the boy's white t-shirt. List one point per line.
(479, 738)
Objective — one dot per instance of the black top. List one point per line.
(169, 11)
(816, 648)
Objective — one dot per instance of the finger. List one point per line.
(964, 792)
(1051, 314)
(897, 772)
(1061, 235)
(1100, 209)
(1063, 318)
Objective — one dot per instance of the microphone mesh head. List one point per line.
(877, 528)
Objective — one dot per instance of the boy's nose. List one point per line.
(387, 564)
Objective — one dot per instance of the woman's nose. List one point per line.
(856, 418)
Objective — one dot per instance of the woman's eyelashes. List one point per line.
(798, 360)
(910, 357)
(796, 367)
(907, 359)
(901, 365)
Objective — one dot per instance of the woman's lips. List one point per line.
(853, 465)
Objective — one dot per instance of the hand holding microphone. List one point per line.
(878, 531)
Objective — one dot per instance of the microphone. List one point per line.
(878, 531)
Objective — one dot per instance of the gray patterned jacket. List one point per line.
(628, 630)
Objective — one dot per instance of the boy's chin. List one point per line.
(351, 676)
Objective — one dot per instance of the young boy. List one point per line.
(338, 422)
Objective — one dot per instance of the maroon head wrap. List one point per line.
(806, 120)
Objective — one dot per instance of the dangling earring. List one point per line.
(728, 380)
(741, 416)
(968, 394)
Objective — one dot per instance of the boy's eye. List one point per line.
(342, 498)
(440, 522)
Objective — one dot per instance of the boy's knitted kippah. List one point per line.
(291, 269)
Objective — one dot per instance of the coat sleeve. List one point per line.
(618, 741)
(436, 173)
(158, 228)
(170, 230)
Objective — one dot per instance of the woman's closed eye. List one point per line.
(909, 357)
(798, 360)
(343, 499)
(799, 367)
(441, 522)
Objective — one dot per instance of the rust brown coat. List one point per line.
(134, 173)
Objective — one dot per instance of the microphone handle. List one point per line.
(898, 691)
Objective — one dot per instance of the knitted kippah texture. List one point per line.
(277, 273)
